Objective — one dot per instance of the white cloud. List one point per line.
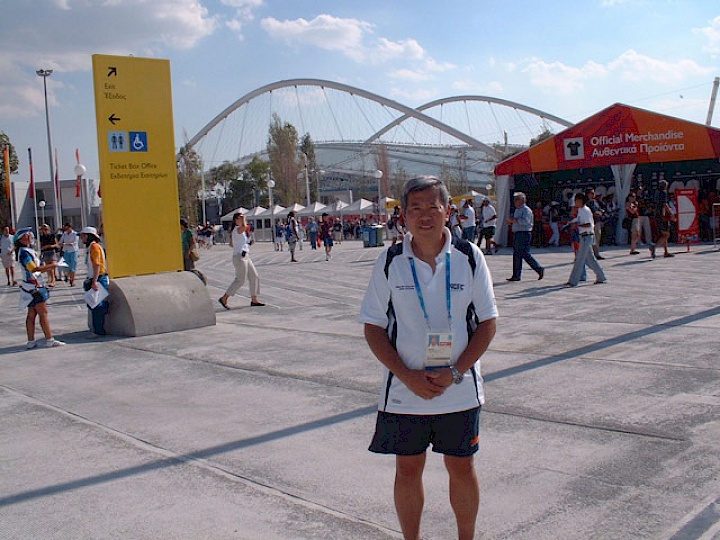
(63, 34)
(324, 31)
(349, 37)
(416, 95)
(633, 66)
(560, 78)
(613, 3)
(712, 33)
(392, 50)
(410, 75)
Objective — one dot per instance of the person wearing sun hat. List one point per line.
(96, 277)
(33, 288)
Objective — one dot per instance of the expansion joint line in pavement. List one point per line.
(170, 458)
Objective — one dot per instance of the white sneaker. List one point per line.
(31, 344)
(53, 343)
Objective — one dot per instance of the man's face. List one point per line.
(590, 195)
(6, 231)
(425, 214)
(518, 202)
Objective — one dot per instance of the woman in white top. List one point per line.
(241, 241)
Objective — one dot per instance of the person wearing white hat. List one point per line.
(33, 287)
(97, 277)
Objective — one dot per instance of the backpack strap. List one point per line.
(463, 246)
(392, 252)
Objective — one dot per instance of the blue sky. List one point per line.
(570, 59)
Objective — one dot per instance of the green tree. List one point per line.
(544, 134)
(226, 176)
(256, 173)
(282, 147)
(5, 213)
(189, 183)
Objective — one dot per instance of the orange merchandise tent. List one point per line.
(620, 137)
(617, 135)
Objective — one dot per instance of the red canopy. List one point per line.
(615, 136)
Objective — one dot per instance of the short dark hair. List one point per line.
(421, 183)
(582, 197)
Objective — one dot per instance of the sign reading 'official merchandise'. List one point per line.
(138, 173)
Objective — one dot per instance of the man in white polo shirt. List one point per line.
(429, 314)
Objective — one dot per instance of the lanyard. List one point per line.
(418, 290)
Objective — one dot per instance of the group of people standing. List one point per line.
(294, 233)
(474, 226)
(37, 274)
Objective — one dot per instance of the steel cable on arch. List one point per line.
(388, 105)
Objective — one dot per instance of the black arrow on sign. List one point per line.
(113, 71)
(113, 118)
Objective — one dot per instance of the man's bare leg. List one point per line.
(409, 494)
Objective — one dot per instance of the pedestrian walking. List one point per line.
(586, 229)
(293, 235)
(522, 224)
(241, 240)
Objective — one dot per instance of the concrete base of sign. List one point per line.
(158, 303)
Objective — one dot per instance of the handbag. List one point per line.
(194, 255)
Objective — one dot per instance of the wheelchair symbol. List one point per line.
(138, 141)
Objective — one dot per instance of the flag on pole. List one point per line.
(6, 165)
(31, 194)
(79, 177)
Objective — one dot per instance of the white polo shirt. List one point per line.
(406, 326)
(487, 213)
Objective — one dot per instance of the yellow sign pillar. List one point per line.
(138, 172)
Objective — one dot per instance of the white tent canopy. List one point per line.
(270, 212)
(229, 215)
(336, 207)
(293, 208)
(252, 214)
(361, 206)
(315, 209)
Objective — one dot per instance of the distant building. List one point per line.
(72, 208)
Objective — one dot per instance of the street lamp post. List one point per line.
(45, 73)
(271, 185)
(41, 204)
(307, 180)
(378, 174)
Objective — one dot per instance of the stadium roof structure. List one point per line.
(463, 136)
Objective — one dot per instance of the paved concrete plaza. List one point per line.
(602, 418)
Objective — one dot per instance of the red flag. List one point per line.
(31, 194)
(79, 177)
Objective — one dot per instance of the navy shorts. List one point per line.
(328, 242)
(40, 295)
(452, 434)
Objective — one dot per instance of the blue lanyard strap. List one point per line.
(421, 299)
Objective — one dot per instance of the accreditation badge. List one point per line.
(438, 352)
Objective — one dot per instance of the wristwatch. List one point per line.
(457, 376)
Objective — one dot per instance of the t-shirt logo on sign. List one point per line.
(574, 149)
